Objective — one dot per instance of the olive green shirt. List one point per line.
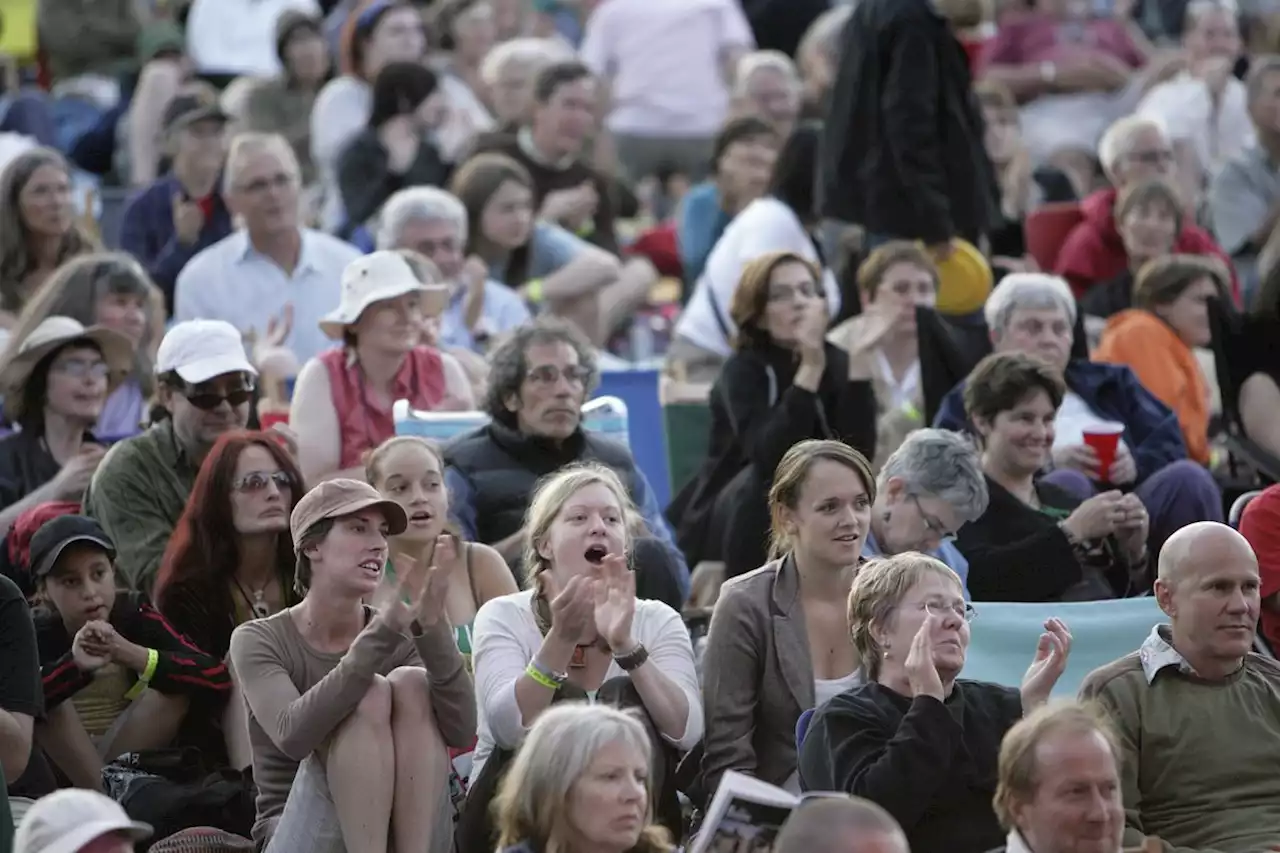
(137, 495)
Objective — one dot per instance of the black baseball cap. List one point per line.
(186, 110)
(55, 535)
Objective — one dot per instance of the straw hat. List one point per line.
(374, 278)
(964, 280)
(52, 334)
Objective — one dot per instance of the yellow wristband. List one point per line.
(540, 677)
(909, 409)
(533, 290)
(144, 680)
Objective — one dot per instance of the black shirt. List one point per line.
(20, 691)
(930, 764)
(25, 465)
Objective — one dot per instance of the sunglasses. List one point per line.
(208, 400)
(258, 480)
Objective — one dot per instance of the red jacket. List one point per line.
(1094, 252)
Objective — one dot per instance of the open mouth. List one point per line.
(595, 554)
(420, 517)
(848, 538)
(372, 568)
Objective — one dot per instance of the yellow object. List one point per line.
(533, 290)
(964, 279)
(18, 28)
(536, 674)
(144, 680)
(101, 702)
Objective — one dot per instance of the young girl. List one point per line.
(129, 676)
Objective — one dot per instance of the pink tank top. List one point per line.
(362, 421)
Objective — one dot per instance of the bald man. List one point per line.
(1197, 712)
(840, 824)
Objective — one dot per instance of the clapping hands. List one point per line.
(416, 601)
(1048, 665)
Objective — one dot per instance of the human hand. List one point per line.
(398, 604)
(88, 650)
(573, 612)
(811, 335)
(401, 143)
(1124, 470)
(922, 672)
(1077, 457)
(615, 603)
(474, 275)
(70, 483)
(435, 588)
(1096, 517)
(878, 321)
(188, 219)
(1132, 525)
(1047, 666)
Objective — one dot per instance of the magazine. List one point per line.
(745, 816)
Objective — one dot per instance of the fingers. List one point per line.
(446, 550)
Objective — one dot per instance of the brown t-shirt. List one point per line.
(297, 695)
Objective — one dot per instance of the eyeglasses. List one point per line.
(549, 374)
(80, 369)
(207, 400)
(934, 526)
(941, 609)
(258, 480)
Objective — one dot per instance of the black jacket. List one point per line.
(366, 181)
(930, 764)
(903, 152)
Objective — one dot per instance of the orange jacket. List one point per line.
(1166, 367)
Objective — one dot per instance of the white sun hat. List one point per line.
(374, 278)
(67, 820)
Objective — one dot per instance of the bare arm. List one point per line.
(15, 743)
(315, 421)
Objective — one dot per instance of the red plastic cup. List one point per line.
(270, 419)
(1105, 440)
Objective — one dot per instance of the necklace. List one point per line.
(258, 603)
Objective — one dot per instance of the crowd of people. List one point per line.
(977, 302)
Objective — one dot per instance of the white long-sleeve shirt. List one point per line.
(238, 36)
(505, 638)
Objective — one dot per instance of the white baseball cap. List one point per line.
(372, 278)
(199, 350)
(67, 820)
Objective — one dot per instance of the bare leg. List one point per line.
(151, 722)
(1260, 411)
(620, 300)
(235, 730)
(422, 763)
(360, 767)
(62, 737)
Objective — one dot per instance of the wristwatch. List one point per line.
(633, 659)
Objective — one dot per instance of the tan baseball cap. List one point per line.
(336, 498)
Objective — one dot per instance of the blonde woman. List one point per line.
(914, 738)
(583, 781)
(578, 631)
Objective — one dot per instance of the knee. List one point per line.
(1188, 476)
(410, 693)
(375, 707)
(176, 704)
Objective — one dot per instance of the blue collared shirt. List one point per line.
(947, 553)
(147, 233)
(503, 310)
(232, 281)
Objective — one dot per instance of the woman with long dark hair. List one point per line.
(39, 229)
(230, 559)
(397, 148)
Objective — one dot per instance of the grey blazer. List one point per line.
(758, 676)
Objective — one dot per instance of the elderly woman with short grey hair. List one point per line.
(1034, 313)
(433, 222)
(916, 738)
(927, 490)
